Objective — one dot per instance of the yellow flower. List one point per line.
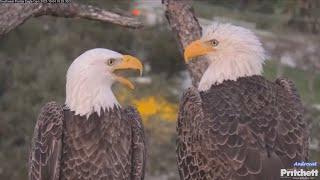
(152, 106)
(146, 106)
(169, 112)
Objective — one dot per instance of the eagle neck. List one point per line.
(85, 98)
(222, 69)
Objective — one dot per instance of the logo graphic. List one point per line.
(301, 170)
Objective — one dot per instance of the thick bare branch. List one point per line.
(13, 15)
(186, 27)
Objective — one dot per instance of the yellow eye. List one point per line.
(111, 61)
(214, 42)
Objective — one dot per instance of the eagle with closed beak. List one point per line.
(236, 124)
(92, 136)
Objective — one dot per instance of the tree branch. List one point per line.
(13, 15)
(186, 28)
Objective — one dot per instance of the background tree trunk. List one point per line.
(305, 16)
(13, 15)
(186, 28)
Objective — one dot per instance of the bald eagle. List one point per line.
(236, 124)
(92, 136)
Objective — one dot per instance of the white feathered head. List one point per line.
(90, 77)
(232, 51)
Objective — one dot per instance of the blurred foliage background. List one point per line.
(34, 59)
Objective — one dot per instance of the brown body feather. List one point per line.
(109, 146)
(244, 129)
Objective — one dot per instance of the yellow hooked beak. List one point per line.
(128, 62)
(195, 49)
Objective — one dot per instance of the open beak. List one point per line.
(128, 62)
(195, 49)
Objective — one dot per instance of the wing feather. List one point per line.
(247, 129)
(44, 158)
(292, 129)
(138, 144)
(242, 120)
(190, 160)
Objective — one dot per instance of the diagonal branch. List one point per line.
(186, 27)
(13, 15)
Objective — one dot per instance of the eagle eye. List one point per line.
(214, 42)
(111, 61)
